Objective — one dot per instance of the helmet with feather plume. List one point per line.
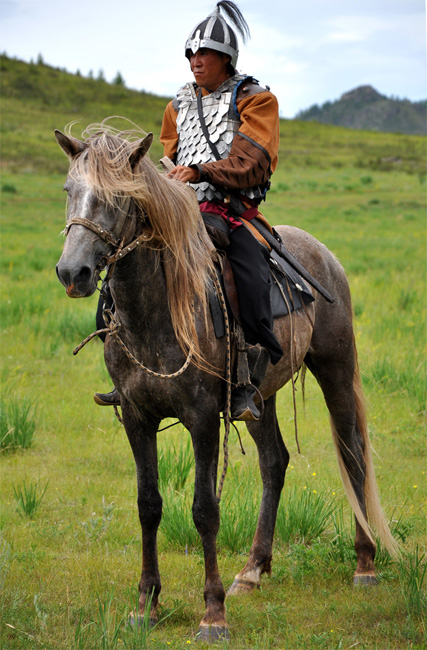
(216, 34)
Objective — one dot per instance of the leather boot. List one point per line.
(243, 405)
(108, 399)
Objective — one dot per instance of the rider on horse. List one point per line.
(222, 133)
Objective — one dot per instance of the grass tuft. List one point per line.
(175, 464)
(27, 499)
(177, 523)
(413, 574)
(304, 515)
(17, 423)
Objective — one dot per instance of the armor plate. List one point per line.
(222, 125)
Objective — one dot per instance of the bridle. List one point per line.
(127, 231)
(121, 250)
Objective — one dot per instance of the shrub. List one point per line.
(8, 187)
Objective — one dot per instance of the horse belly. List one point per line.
(294, 334)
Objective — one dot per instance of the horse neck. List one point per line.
(138, 287)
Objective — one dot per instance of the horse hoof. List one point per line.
(212, 633)
(240, 587)
(135, 620)
(365, 580)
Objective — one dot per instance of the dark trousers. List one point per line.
(249, 261)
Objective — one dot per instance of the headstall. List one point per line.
(110, 238)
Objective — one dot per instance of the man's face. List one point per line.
(209, 68)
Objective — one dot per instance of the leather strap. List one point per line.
(103, 233)
(204, 127)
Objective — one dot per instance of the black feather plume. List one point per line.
(234, 14)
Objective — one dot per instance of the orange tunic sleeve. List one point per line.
(168, 134)
(253, 155)
(260, 122)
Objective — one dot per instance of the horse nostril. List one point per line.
(84, 275)
(63, 275)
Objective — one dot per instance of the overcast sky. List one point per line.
(307, 51)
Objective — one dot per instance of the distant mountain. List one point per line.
(365, 108)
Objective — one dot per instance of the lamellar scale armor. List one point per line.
(222, 124)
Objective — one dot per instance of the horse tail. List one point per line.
(375, 513)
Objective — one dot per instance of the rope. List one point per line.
(111, 328)
(118, 416)
(89, 338)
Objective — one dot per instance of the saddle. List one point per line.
(288, 290)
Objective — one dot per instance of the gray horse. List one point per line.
(164, 358)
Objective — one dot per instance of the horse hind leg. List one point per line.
(341, 386)
(273, 461)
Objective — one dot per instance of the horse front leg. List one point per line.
(141, 430)
(213, 625)
(273, 462)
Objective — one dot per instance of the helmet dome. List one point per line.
(216, 34)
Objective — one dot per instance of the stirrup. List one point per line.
(252, 362)
(108, 399)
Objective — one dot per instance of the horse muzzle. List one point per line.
(78, 283)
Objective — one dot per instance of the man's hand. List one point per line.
(184, 174)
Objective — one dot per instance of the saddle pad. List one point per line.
(292, 287)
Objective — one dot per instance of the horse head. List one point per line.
(95, 220)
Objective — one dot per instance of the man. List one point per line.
(242, 121)
(222, 132)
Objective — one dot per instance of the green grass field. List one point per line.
(70, 539)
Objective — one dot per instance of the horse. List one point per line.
(126, 215)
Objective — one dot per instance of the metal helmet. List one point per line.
(216, 34)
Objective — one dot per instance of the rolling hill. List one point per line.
(37, 98)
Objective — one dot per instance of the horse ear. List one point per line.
(143, 147)
(70, 145)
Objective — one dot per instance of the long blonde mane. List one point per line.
(174, 222)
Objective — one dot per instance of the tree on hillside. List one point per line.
(118, 80)
(101, 75)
